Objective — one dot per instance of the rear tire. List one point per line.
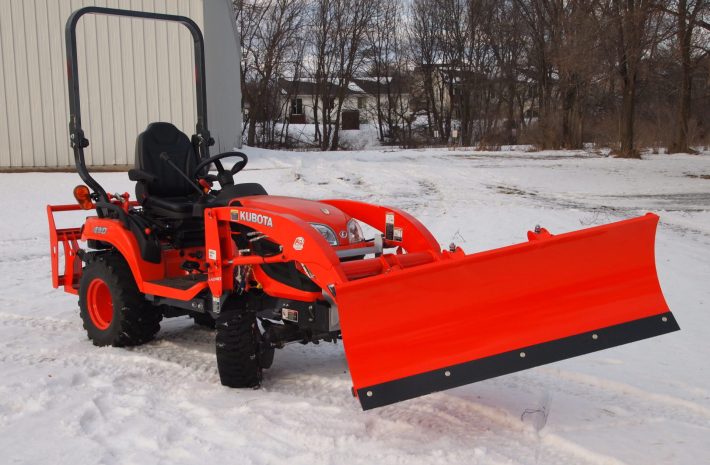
(237, 344)
(112, 308)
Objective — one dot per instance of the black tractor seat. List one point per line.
(160, 190)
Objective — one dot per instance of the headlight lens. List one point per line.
(327, 233)
(355, 232)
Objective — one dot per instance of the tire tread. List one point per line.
(237, 344)
(138, 320)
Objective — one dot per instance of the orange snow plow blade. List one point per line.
(471, 317)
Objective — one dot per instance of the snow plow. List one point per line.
(267, 271)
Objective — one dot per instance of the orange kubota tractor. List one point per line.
(271, 270)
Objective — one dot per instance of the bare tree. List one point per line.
(321, 29)
(425, 49)
(387, 65)
(634, 25)
(270, 33)
(538, 66)
(687, 14)
(577, 60)
(339, 28)
(248, 17)
(507, 44)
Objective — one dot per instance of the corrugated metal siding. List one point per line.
(131, 72)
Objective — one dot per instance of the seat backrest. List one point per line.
(164, 137)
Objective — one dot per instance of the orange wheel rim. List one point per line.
(99, 303)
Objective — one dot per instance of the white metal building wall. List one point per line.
(131, 72)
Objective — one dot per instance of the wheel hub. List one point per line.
(99, 304)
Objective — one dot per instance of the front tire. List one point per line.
(237, 344)
(112, 308)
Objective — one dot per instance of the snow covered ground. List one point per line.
(64, 401)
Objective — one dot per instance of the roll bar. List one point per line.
(78, 141)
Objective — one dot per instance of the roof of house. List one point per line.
(358, 86)
(308, 87)
(371, 86)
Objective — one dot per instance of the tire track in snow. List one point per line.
(12, 259)
(168, 358)
(508, 429)
(637, 403)
(648, 401)
(32, 248)
(566, 201)
(450, 418)
(43, 323)
(164, 356)
(187, 353)
(469, 424)
(614, 404)
(112, 365)
(201, 361)
(445, 416)
(22, 240)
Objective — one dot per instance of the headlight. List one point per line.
(327, 233)
(355, 232)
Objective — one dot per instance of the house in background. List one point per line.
(388, 96)
(300, 103)
(431, 102)
(362, 100)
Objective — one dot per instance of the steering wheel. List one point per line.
(224, 176)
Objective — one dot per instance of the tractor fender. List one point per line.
(113, 232)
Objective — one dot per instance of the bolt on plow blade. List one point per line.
(464, 319)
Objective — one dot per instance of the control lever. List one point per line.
(164, 156)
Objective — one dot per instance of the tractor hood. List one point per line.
(307, 210)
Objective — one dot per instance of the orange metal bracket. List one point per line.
(68, 238)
